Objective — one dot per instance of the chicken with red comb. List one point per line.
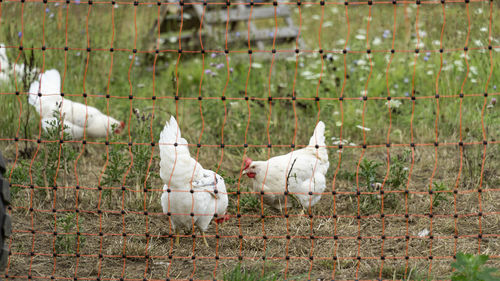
(300, 172)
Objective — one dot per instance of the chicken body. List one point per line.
(7, 70)
(75, 116)
(304, 169)
(183, 174)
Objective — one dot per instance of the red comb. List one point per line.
(248, 161)
(119, 129)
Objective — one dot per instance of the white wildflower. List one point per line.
(336, 113)
(256, 65)
(338, 123)
(473, 70)
(340, 42)
(360, 37)
(363, 128)
(478, 43)
(335, 10)
(458, 63)
(172, 39)
(430, 72)
(484, 29)
(393, 103)
(473, 81)
(313, 77)
(436, 42)
(447, 67)
(327, 24)
(479, 11)
(376, 41)
(360, 62)
(316, 17)
(359, 111)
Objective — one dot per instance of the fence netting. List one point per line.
(407, 91)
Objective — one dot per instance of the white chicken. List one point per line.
(191, 195)
(7, 71)
(45, 96)
(304, 169)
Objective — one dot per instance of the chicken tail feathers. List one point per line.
(172, 139)
(173, 152)
(318, 137)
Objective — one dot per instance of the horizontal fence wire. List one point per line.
(32, 231)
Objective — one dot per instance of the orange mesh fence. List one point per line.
(55, 238)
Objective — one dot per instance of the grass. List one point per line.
(101, 170)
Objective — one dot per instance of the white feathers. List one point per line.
(7, 70)
(304, 169)
(45, 96)
(181, 174)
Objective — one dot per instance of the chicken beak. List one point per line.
(244, 172)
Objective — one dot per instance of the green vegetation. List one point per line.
(446, 118)
(240, 274)
(471, 268)
(66, 242)
(440, 197)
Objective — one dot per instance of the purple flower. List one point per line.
(220, 65)
(428, 53)
(494, 87)
(386, 34)
(426, 58)
(407, 94)
(20, 34)
(493, 101)
(47, 10)
(406, 80)
(213, 55)
(231, 70)
(208, 71)
(237, 34)
(271, 34)
(77, 2)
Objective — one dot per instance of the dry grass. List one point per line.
(112, 245)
